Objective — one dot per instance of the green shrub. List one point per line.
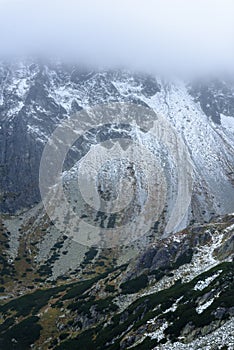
(109, 288)
(25, 333)
(134, 285)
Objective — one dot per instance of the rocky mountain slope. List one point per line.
(35, 97)
(168, 293)
(176, 295)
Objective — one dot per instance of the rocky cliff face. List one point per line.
(35, 97)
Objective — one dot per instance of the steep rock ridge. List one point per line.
(215, 97)
(25, 107)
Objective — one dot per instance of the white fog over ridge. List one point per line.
(161, 36)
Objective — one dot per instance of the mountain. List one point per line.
(168, 288)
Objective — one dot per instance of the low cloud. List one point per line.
(162, 36)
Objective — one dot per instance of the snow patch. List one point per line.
(159, 333)
(204, 306)
(227, 122)
(174, 306)
(203, 284)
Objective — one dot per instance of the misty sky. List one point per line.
(192, 36)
